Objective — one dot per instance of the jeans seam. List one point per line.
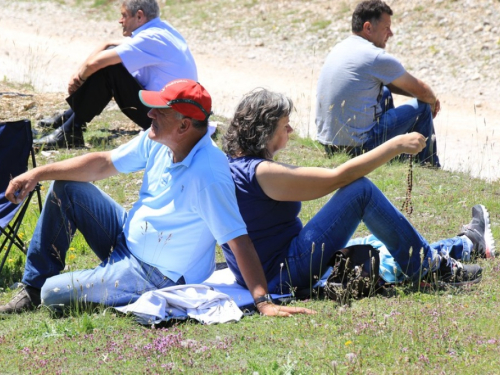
(98, 222)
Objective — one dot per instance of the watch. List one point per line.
(265, 298)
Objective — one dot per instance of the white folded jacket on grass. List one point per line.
(217, 300)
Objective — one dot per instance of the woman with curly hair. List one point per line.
(269, 196)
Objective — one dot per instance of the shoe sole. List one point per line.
(488, 236)
(457, 284)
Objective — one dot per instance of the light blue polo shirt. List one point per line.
(183, 208)
(156, 54)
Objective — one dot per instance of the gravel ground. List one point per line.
(240, 44)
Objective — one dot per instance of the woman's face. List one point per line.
(280, 137)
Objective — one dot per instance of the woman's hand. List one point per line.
(411, 143)
(270, 309)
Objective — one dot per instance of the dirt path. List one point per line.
(42, 44)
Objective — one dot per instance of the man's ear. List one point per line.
(367, 27)
(141, 17)
(185, 125)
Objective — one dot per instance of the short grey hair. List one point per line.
(197, 124)
(150, 8)
(255, 122)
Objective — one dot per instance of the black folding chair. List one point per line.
(16, 146)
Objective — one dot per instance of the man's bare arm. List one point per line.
(98, 59)
(89, 167)
(408, 85)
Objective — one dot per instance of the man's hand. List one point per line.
(435, 108)
(75, 82)
(20, 187)
(97, 60)
(270, 309)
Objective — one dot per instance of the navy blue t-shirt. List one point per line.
(271, 224)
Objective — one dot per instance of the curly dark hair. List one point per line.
(254, 123)
(371, 11)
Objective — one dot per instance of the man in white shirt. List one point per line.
(152, 54)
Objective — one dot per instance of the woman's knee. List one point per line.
(362, 183)
(358, 193)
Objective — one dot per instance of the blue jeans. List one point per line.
(120, 278)
(333, 226)
(413, 115)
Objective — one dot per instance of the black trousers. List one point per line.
(113, 81)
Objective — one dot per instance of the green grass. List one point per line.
(432, 332)
(411, 333)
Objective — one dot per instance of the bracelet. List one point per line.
(80, 78)
(265, 298)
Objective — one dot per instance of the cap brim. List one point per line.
(152, 99)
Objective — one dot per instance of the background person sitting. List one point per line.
(354, 106)
(153, 54)
(269, 197)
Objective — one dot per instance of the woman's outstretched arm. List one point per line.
(289, 183)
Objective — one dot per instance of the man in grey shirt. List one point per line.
(354, 108)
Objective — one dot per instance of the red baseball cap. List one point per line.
(186, 96)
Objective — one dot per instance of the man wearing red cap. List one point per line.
(186, 204)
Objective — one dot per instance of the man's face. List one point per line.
(164, 125)
(380, 32)
(129, 23)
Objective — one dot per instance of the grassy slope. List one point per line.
(412, 333)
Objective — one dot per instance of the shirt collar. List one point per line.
(147, 25)
(205, 140)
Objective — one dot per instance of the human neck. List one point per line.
(182, 148)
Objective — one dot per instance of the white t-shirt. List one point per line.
(183, 208)
(349, 89)
(156, 54)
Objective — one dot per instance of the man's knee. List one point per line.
(62, 192)
(57, 191)
(60, 187)
(424, 108)
(118, 70)
(386, 101)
